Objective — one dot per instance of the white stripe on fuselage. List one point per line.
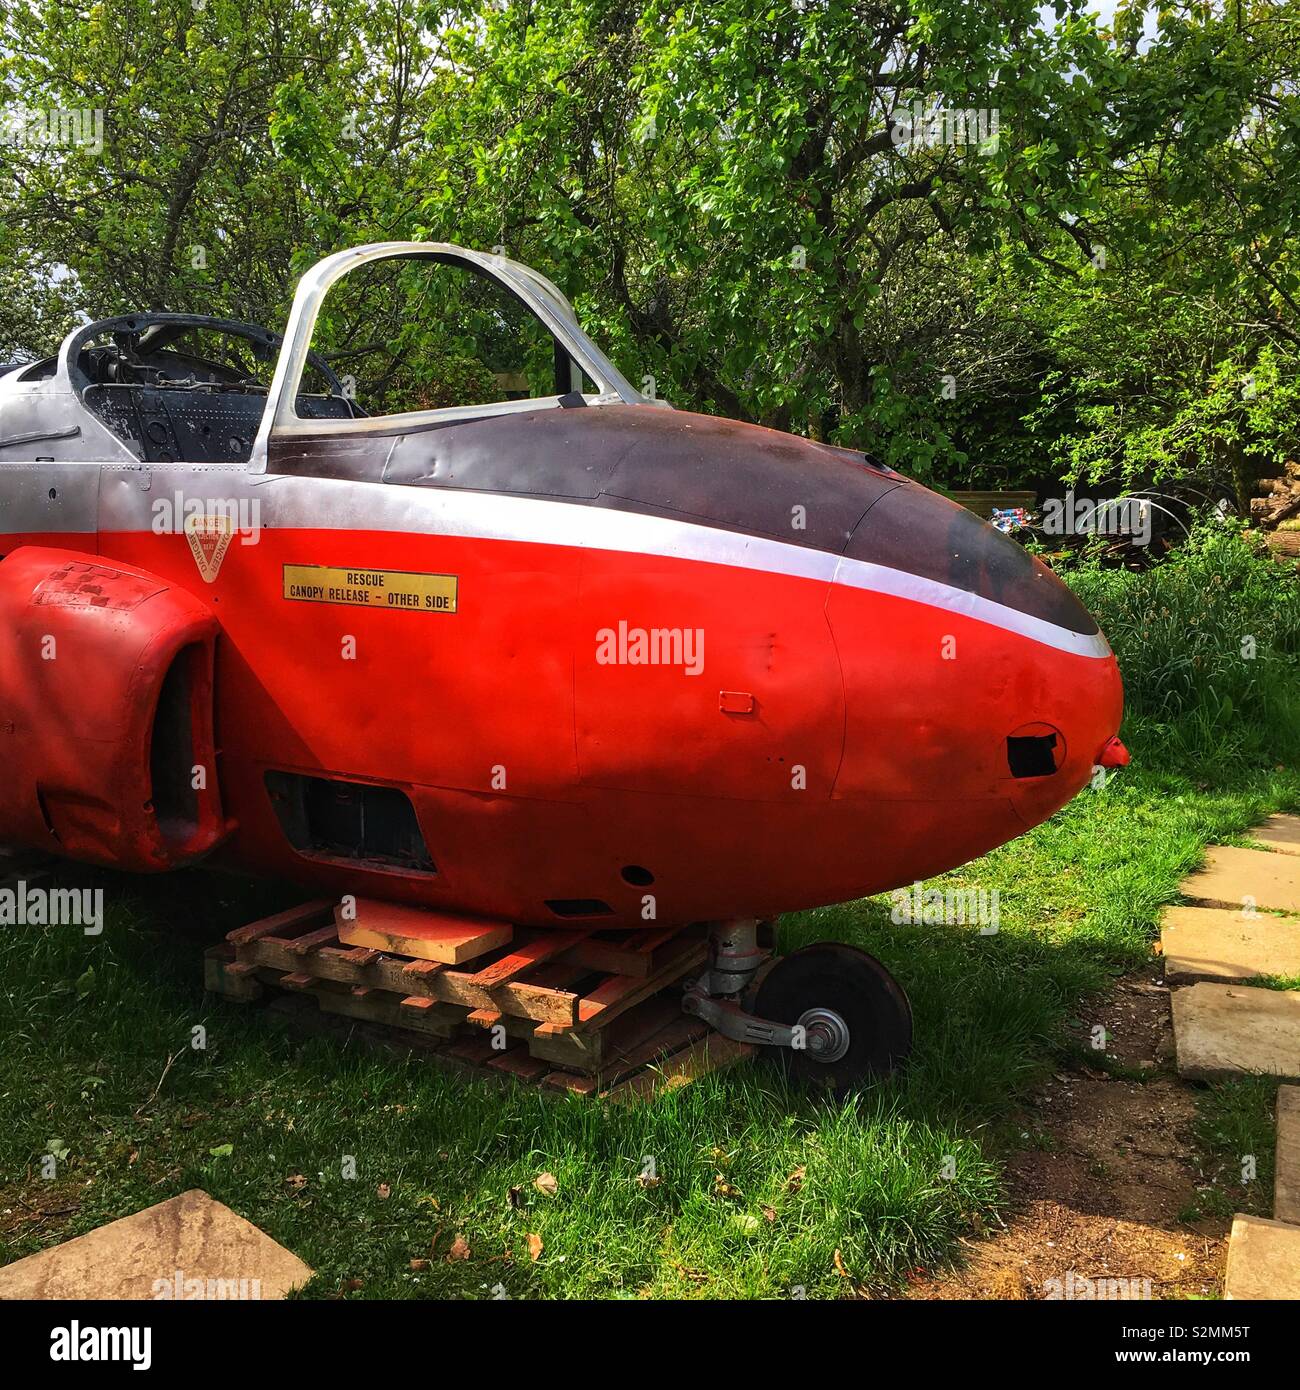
(291, 502)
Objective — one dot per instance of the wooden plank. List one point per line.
(518, 1063)
(313, 940)
(421, 969)
(562, 1047)
(518, 998)
(378, 1007)
(620, 992)
(297, 980)
(567, 1081)
(484, 1018)
(544, 946)
(632, 956)
(478, 1050)
(300, 916)
(681, 1033)
(415, 931)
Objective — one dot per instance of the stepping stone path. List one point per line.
(1216, 943)
(1247, 878)
(190, 1247)
(1286, 1186)
(1263, 1259)
(1245, 923)
(1225, 1031)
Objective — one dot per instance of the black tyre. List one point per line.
(857, 1021)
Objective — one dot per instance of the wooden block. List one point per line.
(219, 979)
(418, 1003)
(414, 931)
(297, 980)
(562, 1047)
(484, 1018)
(419, 969)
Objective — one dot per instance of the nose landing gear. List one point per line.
(830, 1014)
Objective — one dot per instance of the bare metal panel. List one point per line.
(48, 497)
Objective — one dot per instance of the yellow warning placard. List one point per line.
(402, 590)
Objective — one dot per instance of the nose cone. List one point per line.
(973, 676)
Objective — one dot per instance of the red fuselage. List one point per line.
(644, 666)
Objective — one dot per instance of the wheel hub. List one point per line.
(826, 1034)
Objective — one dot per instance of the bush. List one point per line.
(1208, 643)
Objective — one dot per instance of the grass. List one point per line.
(752, 1190)
(1236, 1133)
(378, 1170)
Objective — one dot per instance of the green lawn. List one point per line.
(754, 1188)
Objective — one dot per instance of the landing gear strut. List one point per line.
(830, 1014)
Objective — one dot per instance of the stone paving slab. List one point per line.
(1224, 1031)
(1280, 832)
(1233, 877)
(180, 1248)
(1263, 1259)
(1286, 1185)
(1217, 943)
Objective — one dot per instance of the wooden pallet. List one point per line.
(572, 1009)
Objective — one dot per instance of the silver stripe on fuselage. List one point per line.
(291, 502)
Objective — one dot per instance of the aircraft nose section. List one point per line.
(972, 673)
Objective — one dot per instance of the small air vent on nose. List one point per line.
(579, 907)
(1032, 756)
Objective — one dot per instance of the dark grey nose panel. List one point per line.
(923, 533)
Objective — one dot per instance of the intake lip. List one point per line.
(1113, 753)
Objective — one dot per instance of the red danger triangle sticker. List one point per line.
(209, 538)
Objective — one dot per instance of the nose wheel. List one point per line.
(851, 1015)
(831, 1015)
